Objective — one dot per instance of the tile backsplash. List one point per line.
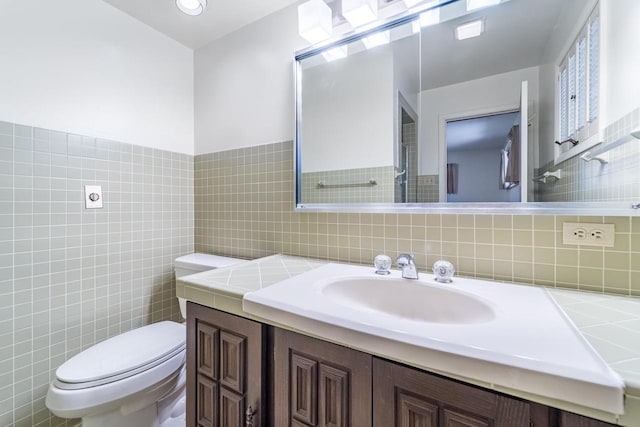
(244, 207)
(70, 277)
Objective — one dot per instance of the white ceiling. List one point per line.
(517, 34)
(221, 17)
(482, 133)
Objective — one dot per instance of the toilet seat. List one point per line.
(122, 356)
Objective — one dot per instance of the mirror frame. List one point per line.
(602, 208)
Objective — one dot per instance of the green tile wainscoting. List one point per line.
(244, 207)
(71, 277)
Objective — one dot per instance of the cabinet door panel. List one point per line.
(231, 408)
(232, 361)
(333, 395)
(304, 386)
(412, 411)
(458, 405)
(319, 384)
(452, 418)
(226, 357)
(207, 350)
(207, 405)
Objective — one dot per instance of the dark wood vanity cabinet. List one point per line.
(225, 369)
(316, 383)
(287, 379)
(406, 397)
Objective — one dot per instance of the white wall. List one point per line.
(84, 67)
(621, 48)
(358, 103)
(498, 91)
(244, 85)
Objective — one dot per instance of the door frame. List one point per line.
(443, 119)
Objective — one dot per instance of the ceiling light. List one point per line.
(469, 30)
(377, 39)
(479, 4)
(360, 12)
(314, 21)
(191, 7)
(335, 53)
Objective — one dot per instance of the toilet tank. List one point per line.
(197, 263)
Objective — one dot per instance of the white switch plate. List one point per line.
(93, 196)
(588, 234)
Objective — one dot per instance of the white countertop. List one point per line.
(610, 323)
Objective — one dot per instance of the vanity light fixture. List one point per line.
(335, 53)
(470, 29)
(191, 7)
(479, 4)
(314, 21)
(360, 12)
(376, 39)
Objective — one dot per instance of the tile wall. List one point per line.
(70, 277)
(244, 207)
(348, 185)
(618, 180)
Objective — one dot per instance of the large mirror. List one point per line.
(534, 101)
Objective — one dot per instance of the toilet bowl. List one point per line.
(135, 379)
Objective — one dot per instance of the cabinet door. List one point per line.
(319, 384)
(406, 397)
(225, 367)
(568, 419)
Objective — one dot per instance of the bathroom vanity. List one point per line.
(237, 360)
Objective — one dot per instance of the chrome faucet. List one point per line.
(408, 266)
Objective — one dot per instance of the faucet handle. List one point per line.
(404, 259)
(382, 263)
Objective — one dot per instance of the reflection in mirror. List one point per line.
(533, 109)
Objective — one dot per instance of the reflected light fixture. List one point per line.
(470, 29)
(335, 53)
(479, 4)
(314, 21)
(360, 12)
(636, 134)
(376, 39)
(191, 7)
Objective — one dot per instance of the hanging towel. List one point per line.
(452, 178)
(513, 164)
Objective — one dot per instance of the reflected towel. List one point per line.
(513, 164)
(452, 178)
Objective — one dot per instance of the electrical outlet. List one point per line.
(588, 234)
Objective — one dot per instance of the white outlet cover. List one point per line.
(602, 235)
(93, 196)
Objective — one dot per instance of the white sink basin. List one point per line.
(503, 336)
(408, 299)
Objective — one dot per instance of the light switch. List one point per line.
(93, 196)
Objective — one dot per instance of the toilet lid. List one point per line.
(123, 355)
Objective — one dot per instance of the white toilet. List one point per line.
(135, 379)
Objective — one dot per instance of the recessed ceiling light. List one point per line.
(479, 4)
(470, 29)
(377, 39)
(335, 53)
(191, 7)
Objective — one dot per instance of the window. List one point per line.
(578, 81)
